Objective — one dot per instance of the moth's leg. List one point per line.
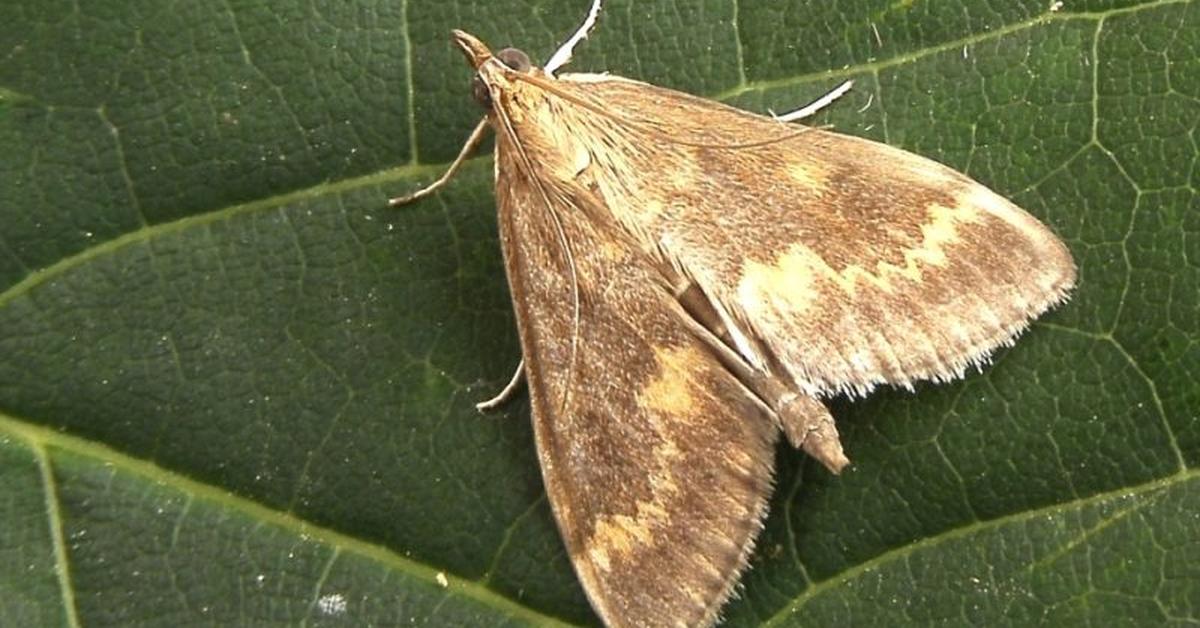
(805, 421)
(563, 54)
(507, 393)
(816, 105)
(468, 148)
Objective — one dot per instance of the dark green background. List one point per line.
(236, 388)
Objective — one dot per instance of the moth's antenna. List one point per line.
(564, 242)
(816, 105)
(576, 307)
(563, 54)
(550, 86)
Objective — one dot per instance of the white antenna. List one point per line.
(563, 54)
(816, 105)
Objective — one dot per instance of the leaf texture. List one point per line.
(236, 388)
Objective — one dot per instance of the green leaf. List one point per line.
(236, 388)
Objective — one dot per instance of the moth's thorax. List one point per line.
(549, 130)
(511, 96)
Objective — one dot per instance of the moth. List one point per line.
(691, 280)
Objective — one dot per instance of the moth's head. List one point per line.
(491, 70)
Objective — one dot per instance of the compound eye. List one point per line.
(480, 91)
(514, 59)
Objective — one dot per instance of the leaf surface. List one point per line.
(236, 388)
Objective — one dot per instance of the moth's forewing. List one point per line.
(849, 262)
(656, 460)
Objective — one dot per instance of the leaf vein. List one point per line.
(41, 438)
(62, 562)
(904, 552)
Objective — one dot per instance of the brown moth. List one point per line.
(690, 279)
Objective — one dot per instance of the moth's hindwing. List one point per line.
(848, 262)
(656, 460)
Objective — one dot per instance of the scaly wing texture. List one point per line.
(848, 262)
(657, 462)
